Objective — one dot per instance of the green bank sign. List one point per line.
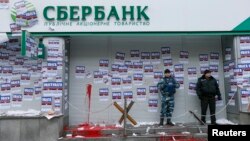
(96, 13)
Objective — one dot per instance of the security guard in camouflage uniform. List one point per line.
(167, 87)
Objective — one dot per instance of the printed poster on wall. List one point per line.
(17, 100)
(34, 73)
(153, 92)
(15, 86)
(231, 98)
(7, 70)
(15, 28)
(214, 70)
(19, 61)
(54, 52)
(103, 94)
(4, 101)
(157, 76)
(245, 68)
(57, 107)
(191, 88)
(28, 94)
(128, 95)
(117, 96)
(245, 81)
(60, 67)
(115, 69)
(233, 84)
(203, 58)
(46, 103)
(137, 78)
(25, 79)
(135, 55)
(127, 83)
(238, 75)
(54, 56)
(141, 94)
(138, 67)
(52, 88)
(130, 66)
(245, 42)
(228, 53)
(119, 58)
(244, 96)
(116, 83)
(25, 14)
(148, 70)
(103, 65)
(145, 58)
(5, 64)
(192, 73)
(59, 78)
(180, 80)
(155, 58)
(54, 45)
(231, 68)
(179, 70)
(98, 77)
(38, 93)
(184, 55)
(5, 57)
(226, 70)
(51, 68)
(153, 105)
(202, 69)
(57, 104)
(4, 4)
(5, 89)
(123, 70)
(165, 53)
(168, 64)
(245, 56)
(214, 58)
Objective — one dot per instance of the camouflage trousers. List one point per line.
(167, 106)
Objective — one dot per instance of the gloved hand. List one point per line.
(219, 98)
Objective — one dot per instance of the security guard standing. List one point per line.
(207, 88)
(167, 87)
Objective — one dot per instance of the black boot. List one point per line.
(169, 122)
(203, 121)
(161, 121)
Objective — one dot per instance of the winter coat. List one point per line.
(207, 87)
(167, 86)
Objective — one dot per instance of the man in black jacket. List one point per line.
(207, 88)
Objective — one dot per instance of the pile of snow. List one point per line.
(146, 123)
(28, 113)
(225, 121)
(118, 125)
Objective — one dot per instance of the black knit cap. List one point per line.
(167, 71)
(207, 71)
